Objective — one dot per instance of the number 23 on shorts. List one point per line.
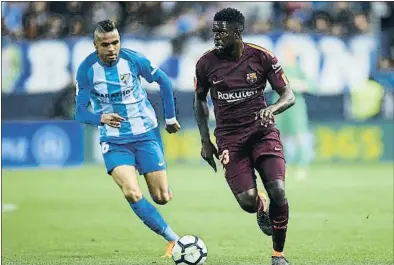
(224, 158)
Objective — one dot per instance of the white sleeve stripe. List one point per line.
(154, 71)
(76, 88)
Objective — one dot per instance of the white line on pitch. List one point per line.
(8, 207)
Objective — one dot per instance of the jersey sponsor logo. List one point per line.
(113, 96)
(215, 82)
(234, 96)
(251, 78)
(125, 78)
(276, 67)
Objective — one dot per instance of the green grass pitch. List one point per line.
(340, 215)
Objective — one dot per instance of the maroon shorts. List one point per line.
(263, 152)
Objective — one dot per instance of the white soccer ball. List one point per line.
(189, 250)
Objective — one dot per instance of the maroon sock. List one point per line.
(279, 217)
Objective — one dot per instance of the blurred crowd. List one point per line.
(32, 20)
(54, 20)
(177, 20)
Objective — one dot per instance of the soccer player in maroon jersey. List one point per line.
(235, 73)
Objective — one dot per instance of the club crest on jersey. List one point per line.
(251, 78)
(125, 78)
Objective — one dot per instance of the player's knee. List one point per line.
(248, 200)
(276, 192)
(247, 207)
(132, 195)
(161, 198)
(161, 201)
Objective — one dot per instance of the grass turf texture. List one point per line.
(340, 215)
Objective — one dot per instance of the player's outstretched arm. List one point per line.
(285, 101)
(81, 113)
(167, 95)
(279, 83)
(82, 98)
(154, 74)
(201, 111)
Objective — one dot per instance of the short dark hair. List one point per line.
(103, 27)
(230, 15)
(106, 26)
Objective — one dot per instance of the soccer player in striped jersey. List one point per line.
(109, 79)
(236, 73)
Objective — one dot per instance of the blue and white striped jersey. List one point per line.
(117, 89)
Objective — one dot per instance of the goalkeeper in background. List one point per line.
(293, 124)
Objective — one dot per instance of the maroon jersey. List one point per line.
(237, 90)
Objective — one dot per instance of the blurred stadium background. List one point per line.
(345, 49)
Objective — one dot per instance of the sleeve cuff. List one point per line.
(171, 121)
(98, 119)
